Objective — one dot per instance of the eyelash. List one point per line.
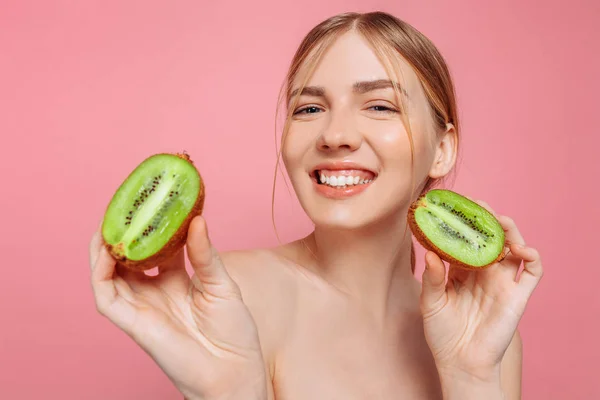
(303, 109)
(385, 109)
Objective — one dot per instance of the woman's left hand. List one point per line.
(470, 321)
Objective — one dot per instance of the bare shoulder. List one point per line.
(266, 280)
(260, 273)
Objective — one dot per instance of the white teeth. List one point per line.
(342, 180)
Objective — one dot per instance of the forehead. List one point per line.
(350, 59)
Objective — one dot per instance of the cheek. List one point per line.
(394, 146)
(294, 148)
(395, 138)
(390, 140)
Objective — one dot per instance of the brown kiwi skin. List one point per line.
(428, 245)
(177, 241)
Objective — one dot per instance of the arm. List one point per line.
(511, 369)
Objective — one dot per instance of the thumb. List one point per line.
(434, 294)
(206, 262)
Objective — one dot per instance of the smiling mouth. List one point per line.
(343, 178)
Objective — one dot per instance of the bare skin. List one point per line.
(320, 343)
(338, 314)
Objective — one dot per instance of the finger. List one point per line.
(197, 284)
(172, 275)
(433, 295)
(106, 282)
(532, 270)
(124, 288)
(95, 245)
(513, 236)
(512, 233)
(174, 264)
(206, 261)
(103, 286)
(458, 277)
(136, 280)
(108, 291)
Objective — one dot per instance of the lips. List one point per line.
(343, 169)
(342, 174)
(341, 180)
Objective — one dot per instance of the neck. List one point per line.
(370, 265)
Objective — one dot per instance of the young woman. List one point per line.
(371, 124)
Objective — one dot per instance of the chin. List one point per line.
(350, 207)
(341, 218)
(354, 214)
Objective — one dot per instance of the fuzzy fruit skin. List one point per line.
(177, 241)
(427, 244)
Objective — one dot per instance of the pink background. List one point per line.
(89, 89)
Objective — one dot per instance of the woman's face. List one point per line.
(347, 151)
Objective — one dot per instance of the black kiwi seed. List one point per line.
(441, 220)
(156, 239)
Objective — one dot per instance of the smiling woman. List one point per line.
(370, 124)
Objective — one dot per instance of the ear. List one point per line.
(445, 153)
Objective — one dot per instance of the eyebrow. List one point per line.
(315, 91)
(358, 87)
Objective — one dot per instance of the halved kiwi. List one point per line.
(147, 220)
(457, 229)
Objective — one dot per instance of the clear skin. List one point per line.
(337, 314)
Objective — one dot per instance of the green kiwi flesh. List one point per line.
(149, 214)
(459, 230)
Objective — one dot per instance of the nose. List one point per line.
(340, 133)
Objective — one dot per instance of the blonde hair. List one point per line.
(390, 39)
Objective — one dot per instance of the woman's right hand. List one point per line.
(199, 331)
